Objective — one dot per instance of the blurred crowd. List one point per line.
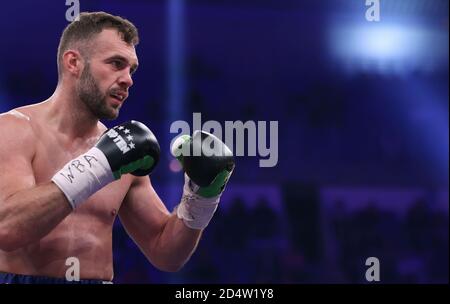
(411, 249)
(263, 245)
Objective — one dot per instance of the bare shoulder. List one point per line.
(15, 121)
(17, 130)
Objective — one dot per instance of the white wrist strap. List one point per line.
(196, 211)
(83, 176)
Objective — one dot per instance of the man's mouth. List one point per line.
(120, 96)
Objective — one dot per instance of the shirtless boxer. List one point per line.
(64, 177)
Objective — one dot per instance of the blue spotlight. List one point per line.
(396, 48)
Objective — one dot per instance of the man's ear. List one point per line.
(73, 62)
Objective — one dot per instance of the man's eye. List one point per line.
(117, 64)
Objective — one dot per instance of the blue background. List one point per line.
(363, 129)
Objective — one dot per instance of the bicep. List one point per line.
(16, 153)
(143, 214)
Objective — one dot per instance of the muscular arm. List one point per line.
(164, 239)
(28, 211)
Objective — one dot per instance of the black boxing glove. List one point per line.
(130, 148)
(127, 148)
(208, 164)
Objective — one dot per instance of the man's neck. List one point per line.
(70, 115)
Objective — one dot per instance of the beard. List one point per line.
(90, 94)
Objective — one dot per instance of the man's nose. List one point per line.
(126, 80)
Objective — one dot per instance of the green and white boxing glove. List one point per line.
(208, 164)
(127, 148)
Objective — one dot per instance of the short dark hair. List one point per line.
(90, 24)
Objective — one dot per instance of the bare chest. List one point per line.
(53, 152)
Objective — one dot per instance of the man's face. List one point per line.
(106, 77)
